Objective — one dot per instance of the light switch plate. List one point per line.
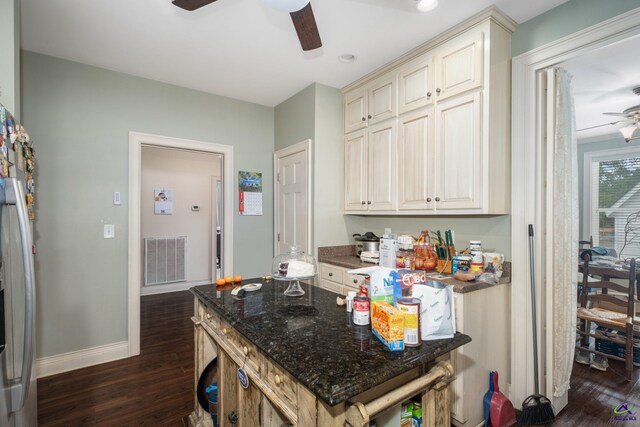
(116, 198)
(109, 231)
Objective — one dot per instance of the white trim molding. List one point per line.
(306, 147)
(73, 360)
(136, 141)
(528, 193)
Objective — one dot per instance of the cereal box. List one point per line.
(406, 415)
(387, 324)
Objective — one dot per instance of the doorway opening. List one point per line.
(163, 156)
(531, 195)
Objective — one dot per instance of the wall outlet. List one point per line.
(109, 231)
(116, 198)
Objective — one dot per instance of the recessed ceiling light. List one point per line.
(347, 57)
(426, 5)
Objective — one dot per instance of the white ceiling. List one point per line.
(602, 83)
(241, 48)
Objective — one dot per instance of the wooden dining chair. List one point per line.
(590, 311)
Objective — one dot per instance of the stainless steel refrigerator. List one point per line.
(18, 405)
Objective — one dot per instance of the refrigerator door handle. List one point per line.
(13, 194)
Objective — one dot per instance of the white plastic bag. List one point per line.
(437, 316)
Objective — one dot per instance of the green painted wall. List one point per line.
(80, 117)
(10, 54)
(295, 118)
(568, 18)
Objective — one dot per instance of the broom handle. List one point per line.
(533, 311)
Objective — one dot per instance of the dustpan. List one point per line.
(487, 401)
(502, 412)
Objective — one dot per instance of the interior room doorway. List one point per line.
(293, 198)
(530, 196)
(138, 142)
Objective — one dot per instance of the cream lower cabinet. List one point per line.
(336, 279)
(370, 173)
(484, 316)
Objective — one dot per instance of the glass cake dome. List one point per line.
(293, 266)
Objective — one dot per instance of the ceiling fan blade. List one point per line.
(306, 27)
(191, 5)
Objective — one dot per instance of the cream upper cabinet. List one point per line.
(370, 104)
(450, 101)
(416, 155)
(415, 85)
(355, 111)
(459, 153)
(459, 66)
(381, 173)
(355, 171)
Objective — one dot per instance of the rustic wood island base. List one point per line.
(307, 364)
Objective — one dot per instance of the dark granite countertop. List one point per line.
(314, 340)
(344, 256)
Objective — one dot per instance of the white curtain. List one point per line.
(565, 232)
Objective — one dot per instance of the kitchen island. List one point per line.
(307, 363)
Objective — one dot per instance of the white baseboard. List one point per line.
(81, 359)
(171, 287)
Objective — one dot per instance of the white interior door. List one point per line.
(293, 210)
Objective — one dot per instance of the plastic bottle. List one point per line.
(350, 296)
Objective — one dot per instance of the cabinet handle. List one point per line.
(208, 316)
(369, 116)
(437, 199)
(225, 331)
(428, 199)
(233, 417)
(438, 90)
(245, 350)
(355, 281)
(369, 202)
(277, 379)
(364, 119)
(428, 94)
(363, 202)
(330, 274)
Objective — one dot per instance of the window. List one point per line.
(612, 200)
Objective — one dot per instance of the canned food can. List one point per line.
(361, 311)
(410, 308)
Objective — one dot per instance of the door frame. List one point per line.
(528, 195)
(136, 141)
(305, 146)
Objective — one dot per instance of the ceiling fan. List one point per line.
(300, 11)
(631, 114)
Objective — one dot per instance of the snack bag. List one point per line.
(438, 318)
(381, 286)
(406, 414)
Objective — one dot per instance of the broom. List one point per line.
(536, 409)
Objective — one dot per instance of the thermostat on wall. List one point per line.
(195, 208)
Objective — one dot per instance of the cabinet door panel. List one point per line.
(382, 99)
(416, 160)
(459, 153)
(355, 110)
(460, 67)
(415, 87)
(381, 174)
(355, 172)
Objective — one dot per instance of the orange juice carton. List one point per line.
(387, 324)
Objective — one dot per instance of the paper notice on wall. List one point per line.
(250, 194)
(163, 201)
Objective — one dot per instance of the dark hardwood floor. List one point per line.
(154, 388)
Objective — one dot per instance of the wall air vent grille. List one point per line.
(165, 260)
